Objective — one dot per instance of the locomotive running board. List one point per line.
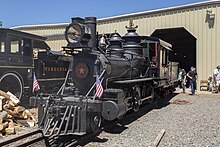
(134, 81)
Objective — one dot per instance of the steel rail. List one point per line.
(26, 135)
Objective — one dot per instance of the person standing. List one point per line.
(210, 83)
(182, 78)
(216, 78)
(192, 75)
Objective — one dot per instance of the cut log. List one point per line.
(3, 126)
(6, 108)
(10, 116)
(10, 104)
(11, 128)
(3, 116)
(27, 114)
(4, 94)
(1, 103)
(13, 98)
(15, 115)
(10, 131)
(11, 123)
(19, 109)
(18, 129)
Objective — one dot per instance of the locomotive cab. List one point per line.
(16, 60)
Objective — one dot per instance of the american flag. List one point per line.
(99, 88)
(36, 85)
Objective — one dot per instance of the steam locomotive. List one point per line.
(111, 76)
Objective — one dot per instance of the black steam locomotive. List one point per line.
(111, 76)
(18, 63)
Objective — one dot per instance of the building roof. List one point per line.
(205, 3)
(193, 5)
(22, 34)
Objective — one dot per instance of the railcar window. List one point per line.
(152, 54)
(15, 45)
(27, 48)
(2, 47)
(164, 57)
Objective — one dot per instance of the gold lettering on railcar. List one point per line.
(55, 69)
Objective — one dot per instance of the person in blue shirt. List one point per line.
(192, 75)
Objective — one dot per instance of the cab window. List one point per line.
(164, 57)
(2, 46)
(21, 47)
(15, 47)
(26, 47)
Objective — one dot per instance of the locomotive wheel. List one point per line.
(93, 122)
(11, 82)
(136, 99)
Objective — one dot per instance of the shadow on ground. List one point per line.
(120, 125)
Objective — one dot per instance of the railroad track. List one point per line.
(35, 138)
(27, 139)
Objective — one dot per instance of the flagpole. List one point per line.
(64, 83)
(66, 78)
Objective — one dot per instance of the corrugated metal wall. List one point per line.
(193, 19)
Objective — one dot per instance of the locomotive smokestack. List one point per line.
(91, 23)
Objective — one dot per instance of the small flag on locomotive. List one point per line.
(36, 85)
(99, 88)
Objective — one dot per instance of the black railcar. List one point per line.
(132, 69)
(18, 63)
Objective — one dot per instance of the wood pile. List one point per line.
(12, 116)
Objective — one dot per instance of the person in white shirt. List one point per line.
(216, 78)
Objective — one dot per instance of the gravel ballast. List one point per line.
(195, 124)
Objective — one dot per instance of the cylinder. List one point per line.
(112, 110)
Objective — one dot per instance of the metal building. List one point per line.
(193, 30)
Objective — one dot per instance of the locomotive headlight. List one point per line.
(77, 33)
(73, 33)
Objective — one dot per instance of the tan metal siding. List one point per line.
(193, 19)
(217, 35)
(56, 44)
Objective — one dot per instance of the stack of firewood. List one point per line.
(12, 116)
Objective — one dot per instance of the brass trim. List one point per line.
(16, 67)
(52, 79)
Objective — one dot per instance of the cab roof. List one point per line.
(38, 41)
